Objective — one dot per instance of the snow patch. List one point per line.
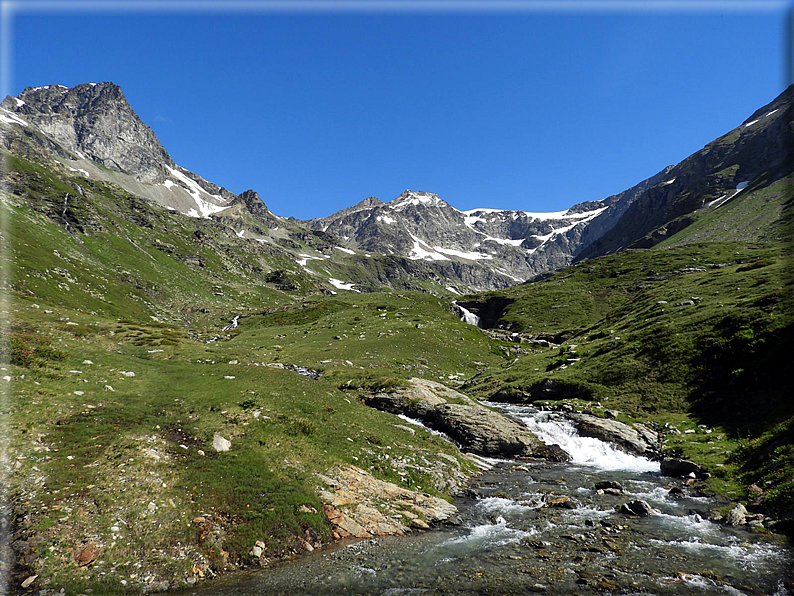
(414, 199)
(750, 123)
(347, 250)
(385, 219)
(742, 185)
(169, 184)
(82, 171)
(472, 256)
(20, 103)
(205, 208)
(306, 258)
(340, 285)
(453, 290)
(417, 252)
(240, 234)
(666, 182)
(10, 118)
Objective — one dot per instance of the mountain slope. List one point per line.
(478, 249)
(748, 161)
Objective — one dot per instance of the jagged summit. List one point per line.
(94, 120)
(93, 130)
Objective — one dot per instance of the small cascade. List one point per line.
(232, 324)
(583, 450)
(467, 316)
(63, 213)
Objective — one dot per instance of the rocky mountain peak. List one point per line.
(94, 121)
(253, 202)
(415, 198)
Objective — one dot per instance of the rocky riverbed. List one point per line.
(607, 521)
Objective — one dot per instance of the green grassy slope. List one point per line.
(125, 461)
(695, 334)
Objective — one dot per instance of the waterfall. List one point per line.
(467, 316)
(586, 451)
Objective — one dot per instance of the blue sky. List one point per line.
(531, 110)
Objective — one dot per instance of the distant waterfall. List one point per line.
(467, 316)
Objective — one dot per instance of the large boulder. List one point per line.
(637, 439)
(474, 427)
(677, 467)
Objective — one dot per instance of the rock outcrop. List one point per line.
(95, 120)
(474, 427)
(637, 439)
(358, 505)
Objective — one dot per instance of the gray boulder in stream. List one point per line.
(637, 439)
(476, 428)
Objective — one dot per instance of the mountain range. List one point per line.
(91, 130)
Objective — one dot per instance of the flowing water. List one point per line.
(512, 542)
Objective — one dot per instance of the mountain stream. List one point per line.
(519, 535)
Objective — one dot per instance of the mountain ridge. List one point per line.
(91, 129)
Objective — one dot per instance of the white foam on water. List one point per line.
(421, 424)
(488, 535)
(584, 451)
(745, 555)
(501, 505)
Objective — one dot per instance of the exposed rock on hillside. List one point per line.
(95, 120)
(359, 505)
(474, 427)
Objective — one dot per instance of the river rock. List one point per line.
(673, 466)
(736, 516)
(676, 493)
(608, 484)
(637, 507)
(476, 428)
(638, 439)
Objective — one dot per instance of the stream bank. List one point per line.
(549, 528)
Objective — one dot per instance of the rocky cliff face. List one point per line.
(96, 121)
(91, 129)
(494, 248)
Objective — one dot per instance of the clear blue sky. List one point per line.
(317, 111)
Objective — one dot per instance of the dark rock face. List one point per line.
(95, 120)
(673, 466)
(474, 427)
(638, 507)
(641, 441)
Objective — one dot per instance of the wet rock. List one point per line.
(676, 493)
(608, 484)
(639, 439)
(561, 503)
(673, 466)
(637, 507)
(220, 443)
(475, 427)
(736, 516)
